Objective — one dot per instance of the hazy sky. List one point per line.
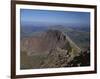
(49, 16)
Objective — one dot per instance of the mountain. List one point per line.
(52, 48)
(78, 34)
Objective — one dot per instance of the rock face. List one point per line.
(47, 41)
(83, 59)
(51, 49)
(56, 39)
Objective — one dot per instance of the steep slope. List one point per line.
(50, 49)
(61, 57)
(80, 35)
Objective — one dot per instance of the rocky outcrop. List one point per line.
(83, 59)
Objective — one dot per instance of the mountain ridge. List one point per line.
(48, 47)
